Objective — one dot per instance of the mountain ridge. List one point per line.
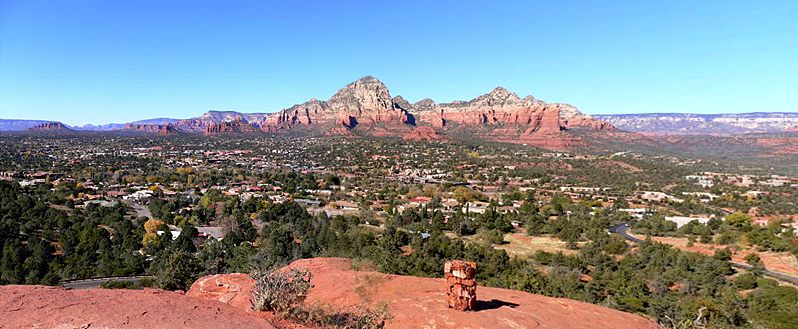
(693, 123)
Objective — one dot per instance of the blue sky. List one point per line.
(118, 61)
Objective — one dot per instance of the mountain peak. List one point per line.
(500, 91)
(499, 96)
(367, 93)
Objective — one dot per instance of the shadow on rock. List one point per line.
(493, 304)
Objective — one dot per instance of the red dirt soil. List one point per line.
(53, 307)
(420, 302)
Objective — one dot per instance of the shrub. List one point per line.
(328, 316)
(280, 291)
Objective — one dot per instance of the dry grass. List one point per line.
(525, 246)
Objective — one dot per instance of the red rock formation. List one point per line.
(232, 289)
(423, 133)
(366, 106)
(49, 127)
(52, 307)
(161, 130)
(167, 130)
(193, 125)
(364, 102)
(235, 127)
(515, 120)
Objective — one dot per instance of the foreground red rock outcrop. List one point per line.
(421, 302)
(52, 307)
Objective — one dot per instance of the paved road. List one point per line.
(96, 282)
(141, 211)
(622, 229)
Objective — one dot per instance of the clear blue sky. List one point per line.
(117, 61)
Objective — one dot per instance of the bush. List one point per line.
(493, 236)
(328, 316)
(280, 291)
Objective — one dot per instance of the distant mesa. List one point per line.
(239, 126)
(161, 130)
(49, 127)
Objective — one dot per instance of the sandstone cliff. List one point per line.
(234, 127)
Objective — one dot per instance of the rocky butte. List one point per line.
(49, 127)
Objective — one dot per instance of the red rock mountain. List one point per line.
(365, 107)
(49, 126)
